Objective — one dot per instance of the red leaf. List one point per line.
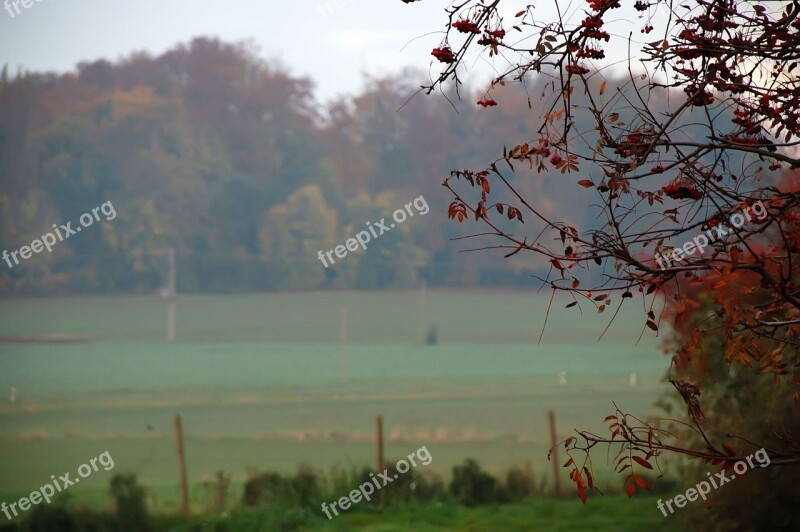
(631, 489)
(586, 183)
(582, 494)
(728, 450)
(642, 462)
(589, 477)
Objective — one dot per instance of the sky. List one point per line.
(331, 41)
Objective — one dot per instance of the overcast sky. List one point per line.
(315, 38)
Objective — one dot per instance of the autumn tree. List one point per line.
(676, 150)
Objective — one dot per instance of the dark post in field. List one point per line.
(379, 453)
(170, 294)
(182, 467)
(554, 456)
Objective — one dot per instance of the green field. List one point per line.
(271, 381)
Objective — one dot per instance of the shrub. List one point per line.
(301, 490)
(519, 484)
(217, 491)
(129, 502)
(269, 487)
(48, 517)
(471, 486)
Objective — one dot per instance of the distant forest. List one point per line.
(235, 164)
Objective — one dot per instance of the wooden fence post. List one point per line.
(554, 456)
(182, 467)
(379, 450)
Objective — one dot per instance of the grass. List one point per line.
(601, 513)
(263, 382)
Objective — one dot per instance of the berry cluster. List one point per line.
(591, 53)
(697, 98)
(743, 117)
(592, 22)
(682, 190)
(576, 69)
(491, 38)
(466, 26)
(600, 5)
(444, 55)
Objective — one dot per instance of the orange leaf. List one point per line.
(602, 88)
(585, 183)
(582, 494)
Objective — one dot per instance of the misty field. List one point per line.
(273, 381)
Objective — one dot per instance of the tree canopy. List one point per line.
(686, 163)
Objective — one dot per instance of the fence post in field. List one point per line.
(170, 294)
(182, 467)
(342, 344)
(554, 456)
(379, 450)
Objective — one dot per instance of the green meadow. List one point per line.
(272, 381)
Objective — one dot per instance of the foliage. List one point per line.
(130, 502)
(472, 486)
(520, 484)
(218, 491)
(230, 160)
(683, 150)
(303, 490)
(736, 399)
